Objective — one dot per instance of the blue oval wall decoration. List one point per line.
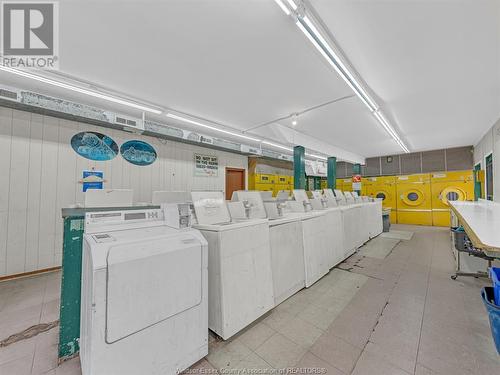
(138, 152)
(94, 146)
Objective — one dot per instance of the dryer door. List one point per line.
(413, 197)
(150, 281)
(452, 194)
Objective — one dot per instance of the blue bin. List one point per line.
(493, 314)
(495, 278)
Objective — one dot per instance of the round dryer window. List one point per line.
(452, 194)
(413, 197)
(381, 196)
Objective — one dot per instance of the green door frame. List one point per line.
(488, 179)
(477, 183)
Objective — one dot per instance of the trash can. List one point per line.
(493, 314)
(495, 279)
(386, 221)
(459, 236)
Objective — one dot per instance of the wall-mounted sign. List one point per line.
(92, 180)
(206, 165)
(356, 182)
(94, 146)
(138, 152)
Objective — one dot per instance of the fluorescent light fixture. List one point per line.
(292, 4)
(383, 121)
(316, 156)
(315, 37)
(320, 43)
(193, 122)
(80, 90)
(277, 145)
(282, 6)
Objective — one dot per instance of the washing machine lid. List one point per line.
(151, 280)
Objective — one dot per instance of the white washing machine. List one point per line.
(144, 298)
(286, 241)
(336, 226)
(240, 281)
(375, 218)
(353, 223)
(363, 224)
(372, 214)
(316, 238)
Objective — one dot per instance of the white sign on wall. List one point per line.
(206, 165)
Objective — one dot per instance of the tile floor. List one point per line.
(389, 309)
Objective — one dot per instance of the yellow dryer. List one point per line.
(414, 199)
(339, 184)
(347, 184)
(383, 187)
(449, 186)
(366, 185)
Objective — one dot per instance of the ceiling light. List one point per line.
(292, 4)
(80, 90)
(383, 121)
(277, 145)
(308, 28)
(184, 119)
(311, 32)
(283, 7)
(295, 119)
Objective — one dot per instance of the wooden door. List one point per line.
(235, 180)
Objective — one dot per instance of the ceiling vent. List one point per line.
(8, 94)
(207, 140)
(130, 124)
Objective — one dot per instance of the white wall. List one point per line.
(490, 143)
(39, 174)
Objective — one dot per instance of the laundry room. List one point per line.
(250, 187)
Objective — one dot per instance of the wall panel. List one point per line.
(411, 163)
(433, 161)
(41, 173)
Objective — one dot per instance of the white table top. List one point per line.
(483, 219)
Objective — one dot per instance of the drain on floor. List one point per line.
(28, 333)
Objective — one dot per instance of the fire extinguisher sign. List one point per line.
(356, 182)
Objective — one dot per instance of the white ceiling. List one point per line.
(433, 65)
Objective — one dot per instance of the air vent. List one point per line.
(124, 121)
(8, 94)
(207, 140)
(129, 124)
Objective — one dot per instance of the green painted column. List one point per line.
(69, 319)
(477, 183)
(299, 167)
(331, 172)
(356, 171)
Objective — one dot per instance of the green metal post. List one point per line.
(299, 167)
(477, 183)
(331, 172)
(69, 320)
(356, 170)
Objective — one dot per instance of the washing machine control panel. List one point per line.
(111, 217)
